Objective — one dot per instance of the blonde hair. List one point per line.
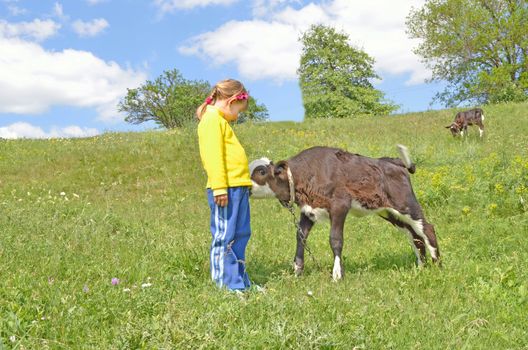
(221, 91)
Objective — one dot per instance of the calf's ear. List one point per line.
(281, 170)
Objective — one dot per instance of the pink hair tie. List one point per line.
(209, 100)
(242, 96)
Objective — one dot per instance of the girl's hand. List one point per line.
(221, 200)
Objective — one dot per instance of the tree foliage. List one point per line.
(335, 78)
(255, 112)
(478, 46)
(171, 101)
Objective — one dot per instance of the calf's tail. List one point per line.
(406, 158)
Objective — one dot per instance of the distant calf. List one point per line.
(329, 183)
(474, 116)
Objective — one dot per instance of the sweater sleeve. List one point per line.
(212, 150)
(219, 191)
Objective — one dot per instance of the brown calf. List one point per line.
(329, 183)
(473, 116)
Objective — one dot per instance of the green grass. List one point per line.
(133, 207)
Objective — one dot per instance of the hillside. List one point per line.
(75, 213)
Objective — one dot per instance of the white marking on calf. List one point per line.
(336, 272)
(291, 186)
(258, 162)
(462, 133)
(417, 226)
(404, 154)
(260, 191)
(481, 131)
(482, 116)
(315, 214)
(297, 269)
(413, 246)
(358, 210)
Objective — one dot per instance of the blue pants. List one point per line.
(230, 227)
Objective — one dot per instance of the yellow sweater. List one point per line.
(223, 157)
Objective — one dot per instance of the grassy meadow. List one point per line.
(77, 213)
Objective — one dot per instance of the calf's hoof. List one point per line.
(298, 269)
(337, 272)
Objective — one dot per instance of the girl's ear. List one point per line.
(231, 100)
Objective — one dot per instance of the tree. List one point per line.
(335, 78)
(478, 47)
(255, 112)
(171, 101)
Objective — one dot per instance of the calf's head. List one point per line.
(269, 180)
(454, 128)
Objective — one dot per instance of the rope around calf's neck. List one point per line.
(289, 205)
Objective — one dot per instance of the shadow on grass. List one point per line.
(392, 261)
(261, 272)
(264, 271)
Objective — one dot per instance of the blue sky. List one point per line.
(66, 64)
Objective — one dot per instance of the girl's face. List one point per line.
(233, 107)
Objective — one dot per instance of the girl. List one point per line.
(228, 184)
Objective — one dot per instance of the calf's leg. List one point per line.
(481, 128)
(417, 244)
(298, 262)
(421, 235)
(336, 241)
(429, 232)
(426, 231)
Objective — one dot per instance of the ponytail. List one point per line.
(201, 110)
(211, 99)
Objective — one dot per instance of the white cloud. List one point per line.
(58, 11)
(274, 56)
(171, 5)
(37, 29)
(73, 131)
(26, 130)
(377, 26)
(90, 28)
(15, 10)
(32, 80)
(94, 2)
(264, 7)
